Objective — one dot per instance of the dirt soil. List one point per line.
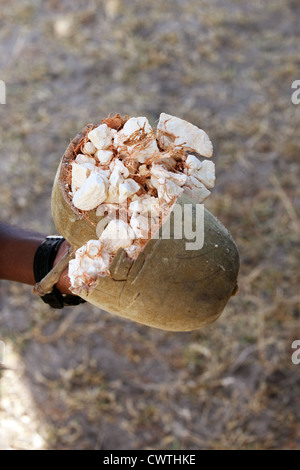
(81, 378)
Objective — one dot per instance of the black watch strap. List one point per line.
(42, 264)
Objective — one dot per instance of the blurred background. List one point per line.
(81, 378)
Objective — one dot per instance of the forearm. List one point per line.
(17, 250)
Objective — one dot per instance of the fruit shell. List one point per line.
(167, 287)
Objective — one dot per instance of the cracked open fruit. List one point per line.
(115, 190)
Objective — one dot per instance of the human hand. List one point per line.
(63, 284)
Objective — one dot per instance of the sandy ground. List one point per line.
(81, 378)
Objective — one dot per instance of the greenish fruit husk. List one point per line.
(167, 287)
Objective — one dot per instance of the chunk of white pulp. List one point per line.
(183, 134)
(92, 193)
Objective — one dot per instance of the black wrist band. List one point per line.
(42, 264)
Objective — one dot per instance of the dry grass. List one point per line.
(95, 381)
